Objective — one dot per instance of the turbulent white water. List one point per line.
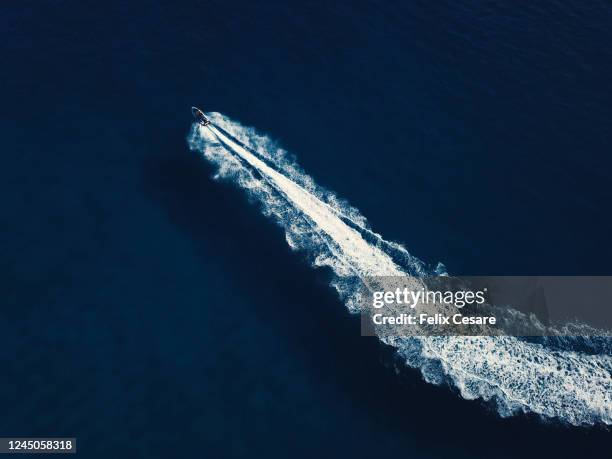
(516, 375)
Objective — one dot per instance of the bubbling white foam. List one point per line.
(516, 375)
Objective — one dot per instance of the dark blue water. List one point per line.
(153, 312)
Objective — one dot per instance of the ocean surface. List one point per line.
(152, 310)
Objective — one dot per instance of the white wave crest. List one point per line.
(518, 376)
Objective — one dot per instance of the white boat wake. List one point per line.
(560, 382)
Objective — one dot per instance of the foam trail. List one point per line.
(516, 375)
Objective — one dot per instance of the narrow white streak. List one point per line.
(518, 376)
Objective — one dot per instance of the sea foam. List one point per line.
(550, 379)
